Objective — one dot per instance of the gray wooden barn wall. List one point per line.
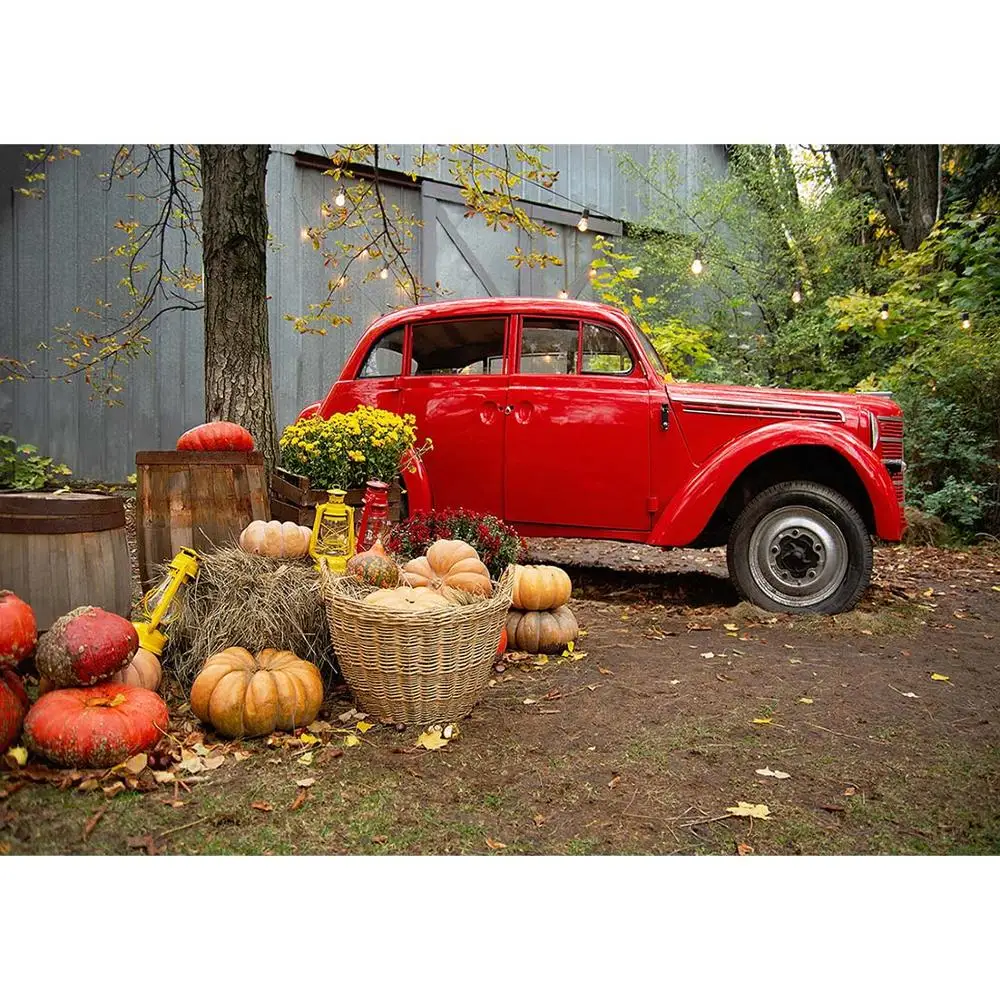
(48, 248)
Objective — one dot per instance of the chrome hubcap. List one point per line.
(798, 556)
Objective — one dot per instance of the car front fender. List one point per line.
(689, 511)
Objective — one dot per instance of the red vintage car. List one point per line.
(559, 417)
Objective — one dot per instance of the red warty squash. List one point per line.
(216, 435)
(144, 671)
(95, 727)
(85, 646)
(18, 630)
(13, 705)
(374, 566)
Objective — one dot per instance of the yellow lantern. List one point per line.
(333, 541)
(158, 605)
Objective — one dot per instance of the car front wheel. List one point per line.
(800, 547)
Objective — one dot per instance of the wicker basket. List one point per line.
(425, 667)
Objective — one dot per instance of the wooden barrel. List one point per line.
(197, 499)
(59, 551)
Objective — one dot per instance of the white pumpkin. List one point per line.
(277, 539)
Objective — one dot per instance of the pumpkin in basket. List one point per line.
(541, 631)
(276, 539)
(450, 565)
(408, 599)
(538, 588)
(240, 694)
(374, 566)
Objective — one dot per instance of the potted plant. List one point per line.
(341, 452)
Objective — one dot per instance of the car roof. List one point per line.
(486, 307)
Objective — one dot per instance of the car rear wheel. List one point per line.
(800, 547)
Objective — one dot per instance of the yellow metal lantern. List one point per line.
(158, 605)
(333, 541)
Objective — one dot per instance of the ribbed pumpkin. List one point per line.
(99, 726)
(541, 631)
(539, 588)
(85, 646)
(408, 599)
(450, 563)
(374, 566)
(240, 694)
(13, 705)
(277, 539)
(18, 629)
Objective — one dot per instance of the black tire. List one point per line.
(800, 547)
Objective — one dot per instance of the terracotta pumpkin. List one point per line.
(541, 631)
(240, 694)
(85, 646)
(539, 588)
(216, 435)
(408, 599)
(143, 671)
(374, 566)
(450, 563)
(18, 629)
(98, 726)
(13, 705)
(277, 539)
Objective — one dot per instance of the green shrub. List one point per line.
(22, 468)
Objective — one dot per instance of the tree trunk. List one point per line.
(234, 237)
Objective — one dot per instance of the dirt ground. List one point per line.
(876, 732)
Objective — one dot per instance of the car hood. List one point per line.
(707, 397)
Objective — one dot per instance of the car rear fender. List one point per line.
(686, 515)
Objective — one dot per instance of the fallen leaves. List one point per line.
(437, 736)
(299, 800)
(758, 811)
(495, 845)
(743, 849)
(805, 701)
(763, 722)
(350, 740)
(940, 677)
(263, 806)
(768, 773)
(88, 828)
(19, 755)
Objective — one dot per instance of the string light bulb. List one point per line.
(884, 314)
(384, 273)
(364, 254)
(592, 273)
(584, 224)
(562, 294)
(696, 265)
(341, 200)
(966, 322)
(797, 293)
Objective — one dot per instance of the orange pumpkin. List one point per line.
(541, 631)
(449, 564)
(240, 694)
(538, 588)
(276, 539)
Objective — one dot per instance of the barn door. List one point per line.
(464, 258)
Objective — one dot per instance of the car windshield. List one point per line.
(647, 345)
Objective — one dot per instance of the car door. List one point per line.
(577, 448)
(457, 390)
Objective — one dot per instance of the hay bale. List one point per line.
(239, 599)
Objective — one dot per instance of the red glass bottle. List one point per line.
(374, 514)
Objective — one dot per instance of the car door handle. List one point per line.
(508, 409)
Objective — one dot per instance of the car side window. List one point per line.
(459, 347)
(385, 358)
(549, 346)
(604, 352)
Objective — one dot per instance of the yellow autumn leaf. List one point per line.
(730, 627)
(308, 738)
(541, 659)
(805, 701)
(20, 754)
(570, 645)
(762, 722)
(351, 740)
(759, 811)
(431, 740)
(363, 727)
(940, 677)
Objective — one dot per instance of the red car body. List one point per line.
(632, 455)
(638, 457)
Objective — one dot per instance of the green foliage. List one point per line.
(22, 468)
